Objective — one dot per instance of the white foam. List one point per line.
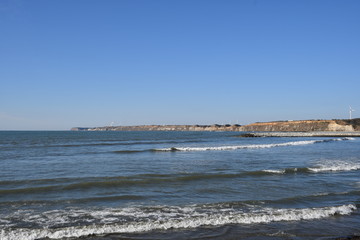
(335, 166)
(274, 171)
(189, 217)
(253, 146)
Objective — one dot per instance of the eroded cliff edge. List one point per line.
(340, 125)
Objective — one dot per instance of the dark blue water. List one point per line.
(177, 185)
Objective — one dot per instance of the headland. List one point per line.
(312, 128)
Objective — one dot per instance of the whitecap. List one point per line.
(274, 171)
(178, 217)
(335, 166)
(250, 146)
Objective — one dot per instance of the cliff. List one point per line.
(305, 126)
(344, 125)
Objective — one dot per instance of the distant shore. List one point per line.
(289, 128)
(214, 127)
(301, 134)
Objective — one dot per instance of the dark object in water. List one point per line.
(349, 238)
(248, 135)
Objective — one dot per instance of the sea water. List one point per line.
(177, 185)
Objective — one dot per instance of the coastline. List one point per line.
(345, 127)
(301, 134)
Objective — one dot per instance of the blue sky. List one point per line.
(89, 63)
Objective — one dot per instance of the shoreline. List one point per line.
(303, 126)
(301, 134)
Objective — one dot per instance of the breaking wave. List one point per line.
(253, 146)
(335, 166)
(275, 171)
(60, 223)
(324, 166)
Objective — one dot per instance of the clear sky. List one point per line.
(66, 63)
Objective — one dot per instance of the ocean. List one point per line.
(177, 185)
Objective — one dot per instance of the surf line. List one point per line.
(254, 146)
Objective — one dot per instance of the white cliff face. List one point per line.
(302, 126)
(342, 128)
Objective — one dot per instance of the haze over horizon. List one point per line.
(91, 63)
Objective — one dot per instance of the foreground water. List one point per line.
(177, 185)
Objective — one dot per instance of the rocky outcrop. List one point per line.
(355, 123)
(304, 126)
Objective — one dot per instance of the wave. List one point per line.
(27, 203)
(335, 166)
(142, 180)
(78, 223)
(324, 166)
(314, 198)
(57, 185)
(253, 146)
